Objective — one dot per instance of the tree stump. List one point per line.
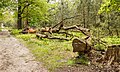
(112, 54)
(80, 45)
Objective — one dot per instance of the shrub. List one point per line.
(15, 32)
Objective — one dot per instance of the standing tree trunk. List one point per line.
(84, 15)
(19, 21)
(27, 23)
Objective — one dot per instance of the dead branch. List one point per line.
(83, 30)
(65, 19)
(41, 35)
(59, 38)
(70, 27)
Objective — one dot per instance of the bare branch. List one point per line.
(65, 19)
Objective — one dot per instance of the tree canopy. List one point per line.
(110, 5)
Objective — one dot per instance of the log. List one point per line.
(76, 27)
(28, 30)
(54, 30)
(58, 38)
(31, 30)
(49, 37)
(41, 35)
(57, 30)
(46, 29)
(80, 45)
(70, 27)
(81, 29)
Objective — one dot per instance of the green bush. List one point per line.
(100, 47)
(15, 32)
(112, 40)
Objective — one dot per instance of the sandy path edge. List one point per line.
(15, 57)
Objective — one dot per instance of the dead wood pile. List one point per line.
(47, 32)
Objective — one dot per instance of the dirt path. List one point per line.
(14, 57)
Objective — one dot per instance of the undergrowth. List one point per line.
(56, 53)
(53, 53)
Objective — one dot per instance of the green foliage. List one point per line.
(70, 62)
(8, 19)
(15, 32)
(7, 8)
(37, 12)
(100, 47)
(4, 3)
(112, 40)
(109, 6)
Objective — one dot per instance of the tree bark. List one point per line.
(50, 37)
(112, 54)
(19, 22)
(80, 45)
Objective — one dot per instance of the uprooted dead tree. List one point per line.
(84, 46)
(60, 29)
(47, 32)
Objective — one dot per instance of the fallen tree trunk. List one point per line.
(49, 37)
(55, 30)
(28, 30)
(76, 27)
(59, 38)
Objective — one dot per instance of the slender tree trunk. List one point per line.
(84, 14)
(19, 21)
(84, 18)
(88, 13)
(62, 12)
(27, 23)
(117, 32)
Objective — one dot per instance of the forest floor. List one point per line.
(89, 68)
(14, 57)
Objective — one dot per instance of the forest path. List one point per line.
(14, 57)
